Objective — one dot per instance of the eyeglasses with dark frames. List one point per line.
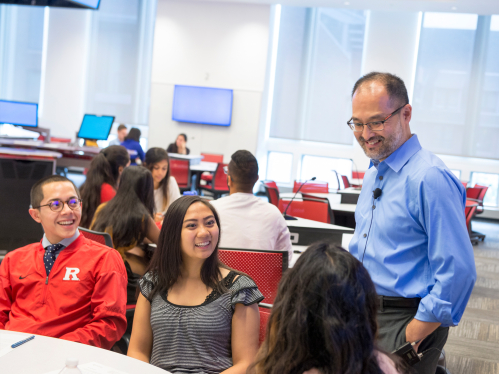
(373, 126)
(57, 205)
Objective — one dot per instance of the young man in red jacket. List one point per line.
(66, 286)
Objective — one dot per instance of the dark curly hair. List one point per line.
(324, 317)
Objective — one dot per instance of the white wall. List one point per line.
(65, 56)
(213, 45)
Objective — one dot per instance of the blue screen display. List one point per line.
(90, 3)
(95, 127)
(18, 113)
(210, 106)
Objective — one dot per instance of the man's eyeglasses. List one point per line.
(373, 126)
(58, 205)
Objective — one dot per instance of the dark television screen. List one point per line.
(95, 127)
(210, 106)
(19, 113)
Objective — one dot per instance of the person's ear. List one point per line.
(229, 181)
(120, 169)
(35, 214)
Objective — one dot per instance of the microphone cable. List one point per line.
(375, 196)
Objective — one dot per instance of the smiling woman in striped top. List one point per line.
(194, 314)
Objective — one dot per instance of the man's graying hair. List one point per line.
(394, 86)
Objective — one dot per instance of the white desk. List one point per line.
(193, 159)
(348, 208)
(42, 355)
(204, 166)
(333, 198)
(304, 232)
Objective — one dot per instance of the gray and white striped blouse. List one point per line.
(197, 339)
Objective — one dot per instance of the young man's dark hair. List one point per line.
(37, 189)
(121, 127)
(394, 86)
(243, 169)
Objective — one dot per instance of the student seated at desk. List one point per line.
(324, 319)
(122, 133)
(166, 189)
(179, 146)
(128, 218)
(248, 222)
(102, 180)
(194, 314)
(132, 142)
(65, 286)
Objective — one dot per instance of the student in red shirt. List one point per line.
(102, 180)
(65, 286)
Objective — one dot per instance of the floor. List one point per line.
(473, 346)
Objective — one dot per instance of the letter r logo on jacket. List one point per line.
(71, 272)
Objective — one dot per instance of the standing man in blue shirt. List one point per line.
(410, 230)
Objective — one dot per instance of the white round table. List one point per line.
(44, 355)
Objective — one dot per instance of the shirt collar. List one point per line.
(401, 155)
(65, 242)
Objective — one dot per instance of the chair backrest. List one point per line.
(271, 184)
(465, 184)
(315, 210)
(317, 187)
(272, 195)
(469, 213)
(264, 320)
(358, 174)
(220, 178)
(212, 157)
(475, 192)
(482, 193)
(264, 267)
(96, 236)
(346, 182)
(180, 170)
(324, 200)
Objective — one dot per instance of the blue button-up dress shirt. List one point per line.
(415, 239)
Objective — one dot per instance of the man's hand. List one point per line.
(418, 330)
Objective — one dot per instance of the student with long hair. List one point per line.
(128, 218)
(132, 142)
(194, 314)
(166, 189)
(102, 180)
(179, 146)
(324, 319)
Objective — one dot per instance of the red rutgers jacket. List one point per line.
(82, 300)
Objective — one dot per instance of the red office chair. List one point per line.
(264, 267)
(314, 209)
(465, 184)
(317, 187)
(181, 171)
(265, 310)
(476, 194)
(469, 213)
(324, 200)
(358, 174)
(210, 157)
(99, 237)
(347, 183)
(218, 186)
(272, 192)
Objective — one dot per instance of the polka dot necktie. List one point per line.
(49, 257)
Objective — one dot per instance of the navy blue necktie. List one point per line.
(49, 257)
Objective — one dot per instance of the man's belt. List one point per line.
(397, 302)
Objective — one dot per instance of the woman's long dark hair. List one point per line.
(104, 168)
(134, 134)
(153, 156)
(166, 263)
(129, 211)
(324, 317)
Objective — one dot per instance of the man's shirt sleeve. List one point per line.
(450, 253)
(5, 292)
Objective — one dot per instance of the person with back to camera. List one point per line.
(66, 286)
(410, 227)
(323, 320)
(132, 142)
(102, 180)
(194, 314)
(122, 133)
(248, 222)
(179, 146)
(166, 189)
(128, 218)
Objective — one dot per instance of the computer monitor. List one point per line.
(95, 127)
(209, 106)
(19, 113)
(94, 4)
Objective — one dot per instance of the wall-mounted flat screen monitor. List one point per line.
(209, 106)
(94, 4)
(95, 127)
(19, 113)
